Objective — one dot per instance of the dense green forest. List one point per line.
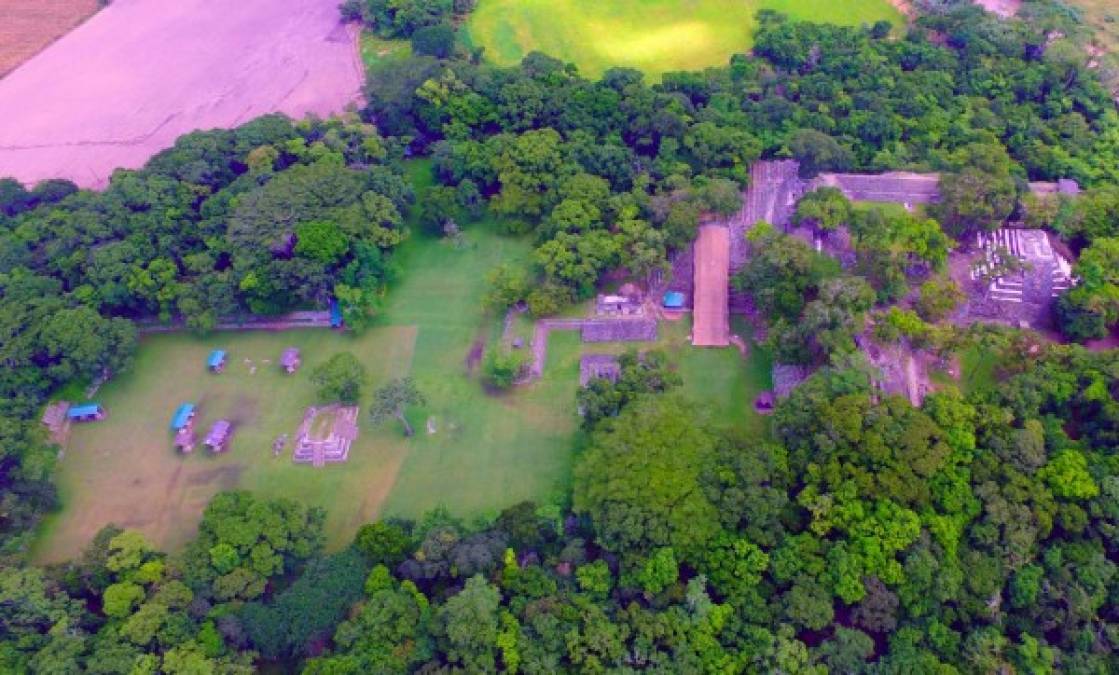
(977, 533)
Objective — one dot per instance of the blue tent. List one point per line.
(85, 411)
(216, 360)
(674, 300)
(182, 416)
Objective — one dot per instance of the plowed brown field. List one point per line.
(140, 73)
(27, 26)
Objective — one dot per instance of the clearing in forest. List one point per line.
(712, 269)
(140, 73)
(487, 453)
(27, 26)
(655, 36)
(481, 452)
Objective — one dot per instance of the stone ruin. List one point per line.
(334, 445)
(619, 330)
(593, 366)
(1024, 296)
(898, 187)
(898, 371)
(628, 301)
(787, 377)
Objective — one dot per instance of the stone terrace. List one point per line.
(898, 187)
(1025, 295)
(619, 330)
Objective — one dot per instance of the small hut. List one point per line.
(335, 315)
(218, 438)
(184, 416)
(673, 300)
(764, 403)
(289, 360)
(183, 425)
(216, 362)
(86, 412)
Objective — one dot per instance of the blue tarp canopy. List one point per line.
(674, 300)
(217, 357)
(83, 410)
(182, 416)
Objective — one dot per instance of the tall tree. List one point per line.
(393, 399)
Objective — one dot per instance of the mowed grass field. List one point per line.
(655, 36)
(473, 452)
(28, 26)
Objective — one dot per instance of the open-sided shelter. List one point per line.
(218, 438)
(183, 426)
(183, 416)
(673, 300)
(216, 361)
(86, 412)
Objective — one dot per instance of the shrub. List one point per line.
(502, 368)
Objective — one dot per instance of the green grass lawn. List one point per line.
(977, 369)
(123, 470)
(655, 36)
(473, 452)
(376, 50)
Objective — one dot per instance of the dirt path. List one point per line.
(711, 318)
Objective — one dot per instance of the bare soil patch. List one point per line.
(474, 357)
(711, 327)
(1003, 8)
(28, 26)
(140, 73)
